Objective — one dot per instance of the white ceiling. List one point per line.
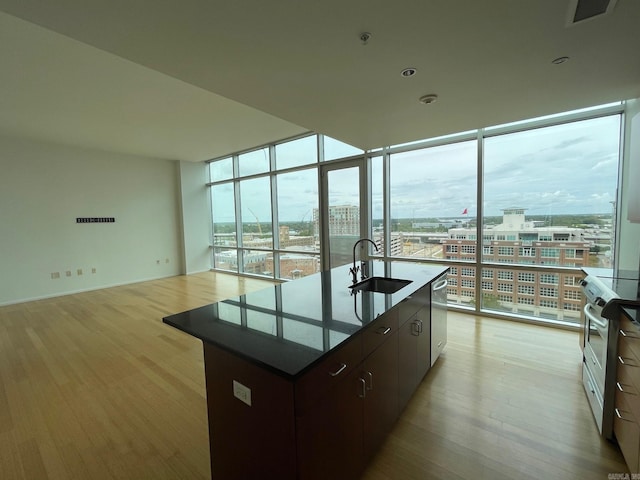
(196, 79)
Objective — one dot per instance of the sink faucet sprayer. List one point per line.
(354, 270)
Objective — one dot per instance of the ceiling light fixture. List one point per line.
(559, 60)
(428, 99)
(408, 72)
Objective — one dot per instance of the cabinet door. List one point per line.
(262, 428)
(327, 374)
(407, 361)
(380, 374)
(424, 343)
(438, 316)
(330, 435)
(413, 303)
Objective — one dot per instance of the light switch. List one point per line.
(242, 393)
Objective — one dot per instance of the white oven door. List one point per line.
(597, 333)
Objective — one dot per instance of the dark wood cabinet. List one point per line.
(380, 400)
(438, 316)
(626, 420)
(407, 364)
(424, 345)
(263, 431)
(330, 434)
(328, 422)
(414, 357)
(347, 423)
(314, 393)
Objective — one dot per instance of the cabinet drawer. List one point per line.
(627, 433)
(628, 398)
(629, 334)
(627, 365)
(626, 354)
(379, 331)
(419, 299)
(319, 381)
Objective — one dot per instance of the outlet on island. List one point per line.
(242, 393)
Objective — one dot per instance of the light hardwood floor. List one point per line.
(95, 386)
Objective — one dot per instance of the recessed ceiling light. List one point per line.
(559, 60)
(365, 37)
(408, 72)
(427, 99)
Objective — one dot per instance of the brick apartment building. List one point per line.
(518, 241)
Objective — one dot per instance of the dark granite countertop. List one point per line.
(289, 327)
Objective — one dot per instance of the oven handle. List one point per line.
(597, 321)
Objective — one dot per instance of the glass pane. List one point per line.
(221, 170)
(461, 289)
(255, 262)
(255, 200)
(223, 212)
(297, 152)
(550, 194)
(549, 295)
(297, 265)
(433, 194)
(297, 203)
(254, 162)
(344, 213)
(225, 259)
(377, 205)
(555, 115)
(334, 149)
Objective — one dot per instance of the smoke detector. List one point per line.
(428, 99)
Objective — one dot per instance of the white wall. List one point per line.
(629, 233)
(44, 187)
(196, 217)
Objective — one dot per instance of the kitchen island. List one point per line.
(305, 379)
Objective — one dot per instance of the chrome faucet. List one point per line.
(354, 270)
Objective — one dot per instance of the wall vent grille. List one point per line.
(582, 10)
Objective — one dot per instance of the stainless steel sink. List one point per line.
(380, 285)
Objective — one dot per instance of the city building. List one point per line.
(396, 247)
(518, 241)
(344, 220)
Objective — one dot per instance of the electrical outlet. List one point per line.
(68, 273)
(242, 392)
(55, 275)
(93, 270)
(79, 271)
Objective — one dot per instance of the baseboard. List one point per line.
(83, 290)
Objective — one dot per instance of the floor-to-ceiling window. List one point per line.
(266, 208)
(431, 192)
(549, 196)
(514, 210)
